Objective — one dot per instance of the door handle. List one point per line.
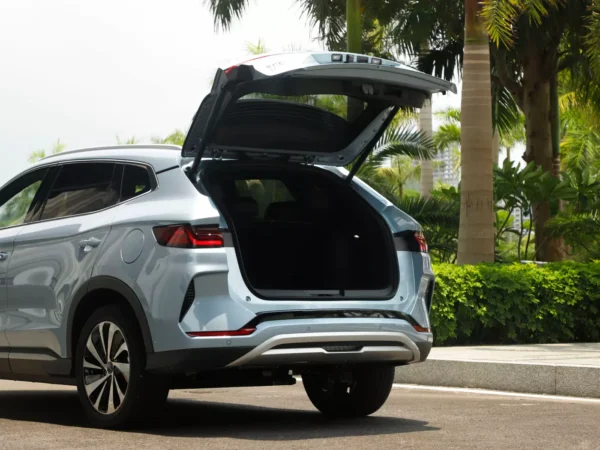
(3, 256)
(88, 244)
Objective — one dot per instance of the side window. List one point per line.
(136, 181)
(81, 188)
(16, 199)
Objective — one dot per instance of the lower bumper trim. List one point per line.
(193, 360)
(399, 349)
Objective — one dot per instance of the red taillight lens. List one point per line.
(186, 236)
(421, 329)
(420, 238)
(240, 332)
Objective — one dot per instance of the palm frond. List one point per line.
(37, 155)
(447, 136)
(565, 225)
(403, 141)
(225, 11)
(506, 115)
(329, 16)
(257, 48)
(449, 115)
(431, 211)
(498, 17)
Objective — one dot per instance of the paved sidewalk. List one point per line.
(556, 369)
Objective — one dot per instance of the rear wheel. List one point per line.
(109, 368)
(361, 394)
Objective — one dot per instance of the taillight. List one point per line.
(187, 236)
(420, 238)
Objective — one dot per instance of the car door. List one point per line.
(52, 258)
(16, 202)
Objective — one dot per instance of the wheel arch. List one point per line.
(85, 298)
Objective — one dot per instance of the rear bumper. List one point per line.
(296, 350)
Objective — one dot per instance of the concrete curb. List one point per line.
(575, 381)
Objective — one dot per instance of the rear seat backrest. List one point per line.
(284, 212)
(243, 208)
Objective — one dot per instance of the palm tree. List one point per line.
(511, 131)
(536, 40)
(580, 123)
(175, 138)
(476, 230)
(256, 49)
(402, 170)
(37, 155)
(130, 141)
(426, 126)
(402, 142)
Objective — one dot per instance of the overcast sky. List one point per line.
(84, 72)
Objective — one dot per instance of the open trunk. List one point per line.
(302, 232)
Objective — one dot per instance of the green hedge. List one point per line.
(516, 304)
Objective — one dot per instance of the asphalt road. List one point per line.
(37, 416)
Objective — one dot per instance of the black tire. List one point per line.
(142, 393)
(368, 391)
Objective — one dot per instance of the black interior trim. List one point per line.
(329, 314)
(218, 170)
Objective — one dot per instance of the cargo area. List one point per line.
(302, 232)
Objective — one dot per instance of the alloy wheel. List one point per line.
(106, 368)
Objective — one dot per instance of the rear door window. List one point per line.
(82, 188)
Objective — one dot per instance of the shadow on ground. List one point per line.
(189, 418)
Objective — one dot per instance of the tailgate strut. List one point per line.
(368, 148)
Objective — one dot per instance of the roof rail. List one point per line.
(117, 147)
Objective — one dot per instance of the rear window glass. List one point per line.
(337, 104)
(81, 188)
(264, 192)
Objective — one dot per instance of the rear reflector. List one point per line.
(240, 332)
(420, 329)
(186, 236)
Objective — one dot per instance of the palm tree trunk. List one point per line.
(426, 126)
(354, 45)
(536, 107)
(476, 230)
(495, 147)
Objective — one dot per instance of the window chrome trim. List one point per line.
(87, 161)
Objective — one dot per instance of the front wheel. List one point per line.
(109, 368)
(361, 395)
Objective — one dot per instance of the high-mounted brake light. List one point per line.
(240, 332)
(187, 236)
(420, 238)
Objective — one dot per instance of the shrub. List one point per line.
(516, 304)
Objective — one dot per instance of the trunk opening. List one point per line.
(302, 232)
